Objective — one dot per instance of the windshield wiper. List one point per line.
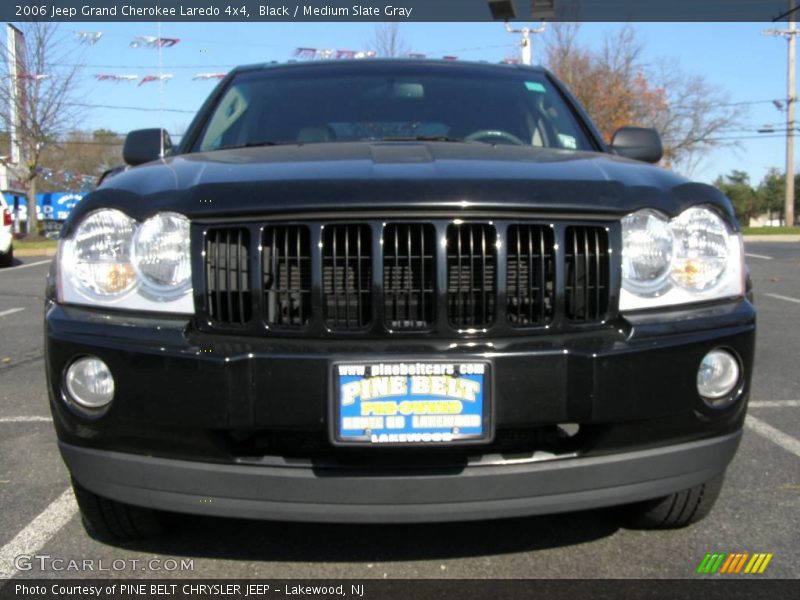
(253, 144)
(425, 138)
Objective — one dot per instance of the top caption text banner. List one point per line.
(390, 10)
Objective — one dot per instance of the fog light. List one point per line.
(717, 377)
(90, 383)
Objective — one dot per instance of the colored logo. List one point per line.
(735, 563)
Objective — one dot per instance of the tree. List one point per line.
(745, 200)
(79, 153)
(388, 42)
(609, 83)
(618, 87)
(772, 192)
(46, 77)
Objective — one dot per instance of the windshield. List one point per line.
(391, 102)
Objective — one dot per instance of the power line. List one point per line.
(745, 102)
(786, 14)
(118, 143)
(472, 49)
(741, 103)
(139, 108)
(754, 129)
(151, 66)
(231, 66)
(730, 138)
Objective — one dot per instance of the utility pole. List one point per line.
(13, 42)
(791, 37)
(789, 210)
(526, 51)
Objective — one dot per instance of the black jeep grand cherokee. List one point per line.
(396, 291)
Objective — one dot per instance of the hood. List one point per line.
(453, 177)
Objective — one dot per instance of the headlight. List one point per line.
(161, 254)
(111, 260)
(647, 246)
(692, 258)
(100, 254)
(701, 249)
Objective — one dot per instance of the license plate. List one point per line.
(401, 403)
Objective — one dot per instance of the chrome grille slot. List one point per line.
(347, 276)
(471, 274)
(586, 260)
(530, 272)
(409, 275)
(286, 275)
(227, 276)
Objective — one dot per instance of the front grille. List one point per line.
(530, 292)
(380, 278)
(586, 286)
(227, 260)
(409, 275)
(347, 276)
(471, 286)
(286, 275)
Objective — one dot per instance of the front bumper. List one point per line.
(294, 493)
(200, 423)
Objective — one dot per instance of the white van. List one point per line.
(6, 234)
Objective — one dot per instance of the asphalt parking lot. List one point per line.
(758, 511)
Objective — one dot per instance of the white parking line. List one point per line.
(31, 419)
(38, 532)
(787, 298)
(783, 440)
(10, 311)
(25, 266)
(761, 256)
(775, 404)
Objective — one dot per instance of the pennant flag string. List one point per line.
(88, 38)
(32, 76)
(115, 77)
(325, 53)
(150, 41)
(152, 78)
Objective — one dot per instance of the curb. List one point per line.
(791, 237)
(27, 252)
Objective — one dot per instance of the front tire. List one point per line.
(7, 259)
(109, 520)
(676, 510)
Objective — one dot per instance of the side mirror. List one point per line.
(638, 143)
(144, 145)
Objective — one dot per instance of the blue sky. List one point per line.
(749, 66)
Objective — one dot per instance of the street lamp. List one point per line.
(504, 10)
